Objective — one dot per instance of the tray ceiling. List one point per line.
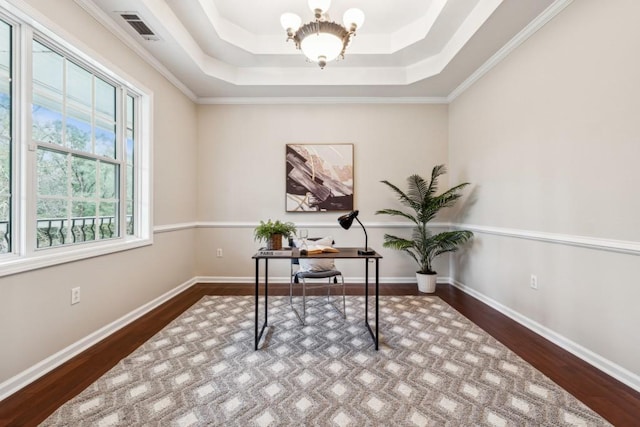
(406, 48)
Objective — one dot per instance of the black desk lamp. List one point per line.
(345, 222)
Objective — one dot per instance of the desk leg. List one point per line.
(377, 295)
(266, 293)
(366, 292)
(374, 335)
(257, 300)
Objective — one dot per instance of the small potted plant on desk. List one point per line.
(272, 233)
(423, 246)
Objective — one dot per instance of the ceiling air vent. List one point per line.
(138, 24)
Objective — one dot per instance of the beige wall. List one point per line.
(36, 319)
(241, 168)
(550, 139)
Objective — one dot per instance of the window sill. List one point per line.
(18, 264)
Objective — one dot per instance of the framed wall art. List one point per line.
(319, 177)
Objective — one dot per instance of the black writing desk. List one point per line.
(345, 253)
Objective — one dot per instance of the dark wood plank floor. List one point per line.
(614, 401)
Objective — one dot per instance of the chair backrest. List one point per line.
(296, 261)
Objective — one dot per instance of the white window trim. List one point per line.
(24, 257)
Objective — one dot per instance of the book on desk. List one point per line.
(276, 252)
(318, 249)
(310, 250)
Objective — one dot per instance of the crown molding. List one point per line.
(128, 40)
(546, 16)
(105, 20)
(319, 100)
(368, 44)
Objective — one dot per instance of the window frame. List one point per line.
(24, 254)
(12, 149)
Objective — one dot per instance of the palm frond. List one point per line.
(424, 246)
(402, 196)
(435, 204)
(448, 198)
(435, 173)
(450, 241)
(395, 242)
(395, 212)
(418, 189)
(402, 244)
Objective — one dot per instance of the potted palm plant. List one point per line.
(424, 204)
(272, 233)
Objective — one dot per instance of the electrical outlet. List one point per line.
(534, 282)
(75, 295)
(219, 252)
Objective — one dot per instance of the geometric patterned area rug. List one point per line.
(434, 368)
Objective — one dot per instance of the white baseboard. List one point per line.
(608, 367)
(285, 279)
(31, 374)
(27, 376)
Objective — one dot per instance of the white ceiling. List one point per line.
(406, 48)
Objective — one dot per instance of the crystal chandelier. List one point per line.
(322, 40)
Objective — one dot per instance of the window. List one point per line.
(82, 177)
(78, 166)
(5, 138)
(129, 156)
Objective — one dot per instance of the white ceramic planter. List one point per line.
(426, 282)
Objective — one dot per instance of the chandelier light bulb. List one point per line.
(322, 47)
(321, 5)
(290, 22)
(353, 18)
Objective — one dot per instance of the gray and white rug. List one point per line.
(434, 368)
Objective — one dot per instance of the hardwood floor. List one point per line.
(614, 401)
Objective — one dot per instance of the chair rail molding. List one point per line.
(253, 224)
(597, 243)
(611, 245)
(166, 228)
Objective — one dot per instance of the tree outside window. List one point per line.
(5, 138)
(79, 172)
(78, 160)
